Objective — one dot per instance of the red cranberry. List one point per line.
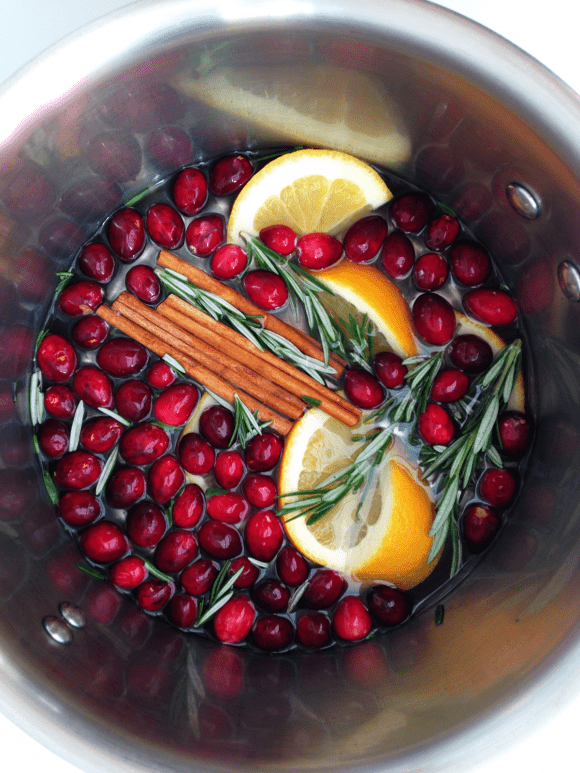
(175, 551)
(199, 577)
(441, 232)
(144, 284)
(56, 358)
(169, 148)
(196, 454)
(365, 238)
(59, 401)
(351, 619)
(93, 386)
(81, 297)
(411, 212)
(133, 400)
(291, 566)
(497, 487)
(436, 425)
(190, 191)
(233, 621)
(145, 524)
(153, 595)
(434, 319)
(126, 234)
(228, 508)
(165, 226)
(175, 404)
(273, 632)
(271, 595)
(470, 264)
(164, 479)
(263, 535)
(205, 234)
(492, 307)
(53, 438)
(249, 574)
(470, 353)
(388, 605)
(90, 332)
(515, 431)
(188, 507)
(219, 540)
(115, 156)
(216, 424)
(182, 610)
(280, 238)
(125, 486)
(430, 272)
(389, 369)
(104, 542)
(313, 630)
(262, 452)
(128, 573)
(397, 255)
(160, 375)
(325, 587)
(121, 357)
(362, 389)
(449, 385)
(78, 470)
(97, 263)
(229, 469)
(318, 250)
(228, 261)
(230, 174)
(144, 443)
(79, 508)
(100, 434)
(480, 524)
(260, 490)
(266, 289)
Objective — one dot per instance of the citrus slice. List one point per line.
(310, 191)
(386, 539)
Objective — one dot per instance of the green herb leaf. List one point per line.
(311, 401)
(439, 614)
(91, 571)
(51, 489)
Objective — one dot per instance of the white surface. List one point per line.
(548, 31)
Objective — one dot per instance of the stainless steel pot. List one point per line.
(491, 134)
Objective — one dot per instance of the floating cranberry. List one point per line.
(90, 332)
(388, 605)
(175, 551)
(81, 297)
(470, 353)
(169, 148)
(351, 619)
(434, 319)
(325, 587)
(153, 595)
(266, 289)
(249, 575)
(205, 234)
(362, 389)
(515, 432)
(449, 385)
(53, 438)
(216, 424)
(273, 632)
(397, 255)
(430, 272)
(441, 232)
(436, 426)
(126, 234)
(165, 478)
(228, 261)
(100, 434)
(470, 264)
(492, 307)
(78, 470)
(480, 524)
(196, 454)
(145, 524)
(97, 263)
(291, 566)
(175, 404)
(125, 486)
(56, 358)
(93, 386)
(230, 174)
(365, 238)
(182, 610)
(144, 284)
(389, 369)
(165, 226)
(497, 487)
(188, 506)
(160, 375)
(318, 250)
(59, 401)
(121, 357)
(228, 508)
(133, 400)
(128, 573)
(219, 540)
(234, 620)
(263, 535)
(313, 630)
(115, 155)
(144, 443)
(79, 508)
(280, 238)
(190, 191)
(263, 452)
(199, 577)
(104, 542)
(271, 595)
(229, 469)
(260, 490)
(411, 212)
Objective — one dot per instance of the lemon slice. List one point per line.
(387, 538)
(310, 191)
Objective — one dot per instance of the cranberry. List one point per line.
(79, 508)
(260, 490)
(492, 307)
(153, 595)
(362, 389)
(325, 587)
(230, 174)
(175, 551)
(144, 443)
(430, 272)
(470, 264)
(56, 358)
(365, 238)
(228, 261)
(100, 434)
(470, 353)
(125, 486)
(128, 573)
(318, 250)
(397, 255)
(165, 226)
(263, 535)
(434, 319)
(313, 630)
(449, 385)
(53, 438)
(219, 540)
(273, 632)
(144, 284)
(515, 430)
(175, 404)
(262, 452)
(229, 469)
(93, 386)
(480, 524)
(121, 357)
(271, 595)
(126, 234)
(182, 610)
(188, 507)
(165, 478)
(160, 375)
(169, 148)
(80, 297)
(228, 508)
(59, 401)
(133, 400)
(115, 156)
(411, 212)
(77, 470)
(292, 567)
(436, 425)
(351, 619)
(249, 574)
(104, 542)
(497, 487)
(145, 524)
(196, 454)
(234, 620)
(90, 332)
(205, 234)
(389, 369)
(217, 424)
(266, 289)
(280, 238)
(388, 605)
(199, 577)
(190, 191)
(441, 232)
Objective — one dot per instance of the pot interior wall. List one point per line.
(143, 694)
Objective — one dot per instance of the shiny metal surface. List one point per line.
(478, 115)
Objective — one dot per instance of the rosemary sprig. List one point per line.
(64, 278)
(246, 423)
(221, 592)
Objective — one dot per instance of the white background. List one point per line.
(548, 31)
